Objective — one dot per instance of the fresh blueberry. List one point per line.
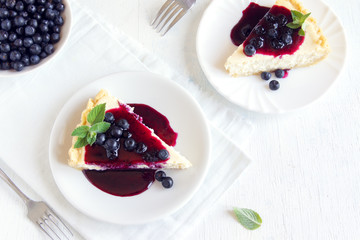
(126, 134)
(246, 30)
(60, 7)
(167, 182)
(60, 21)
(123, 123)
(35, 49)
(10, 4)
(111, 144)
(29, 30)
(15, 55)
(6, 24)
(18, 42)
(270, 18)
(5, 65)
(3, 56)
(286, 30)
(34, 59)
(282, 20)
(28, 42)
(265, 75)
(260, 30)
(49, 14)
(109, 117)
(112, 154)
(26, 60)
(44, 27)
(277, 44)
(56, 29)
(43, 55)
(129, 144)
(287, 39)
(140, 148)
(31, 8)
(45, 38)
(257, 42)
(19, 6)
(49, 49)
(37, 38)
(24, 14)
(3, 35)
(40, 9)
(100, 139)
(29, 1)
(163, 154)
(272, 33)
(279, 73)
(115, 131)
(22, 50)
(18, 66)
(37, 16)
(54, 37)
(5, 47)
(33, 22)
(42, 2)
(249, 50)
(274, 85)
(19, 21)
(19, 30)
(4, 13)
(159, 175)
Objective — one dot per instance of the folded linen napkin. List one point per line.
(31, 103)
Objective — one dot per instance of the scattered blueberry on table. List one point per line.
(274, 85)
(167, 182)
(29, 31)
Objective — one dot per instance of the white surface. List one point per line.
(304, 180)
(214, 47)
(155, 203)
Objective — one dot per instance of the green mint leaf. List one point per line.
(248, 218)
(81, 131)
(91, 138)
(298, 21)
(81, 142)
(304, 17)
(100, 127)
(96, 114)
(293, 25)
(301, 32)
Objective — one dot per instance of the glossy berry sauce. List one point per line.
(274, 44)
(129, 182)
(251, 16)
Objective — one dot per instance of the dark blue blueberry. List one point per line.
(123, 123)
(249, 50)
(12, 14)
(28, 42)
(15, 55)
(22, 50)
(29, 1)
(24, 14)
(111, 144)
(167, 182)
(31, 9)
(34, 59)
(10, 4)
(4, 13)
(100, 139)
(51, 23)
(274, 85)
(279, 73)
(19, 6)
(5, 65)
(260, 30)
(19, 31)
(282, 20)
(287, 39)
(49, 14)
(19, 21)
(42, 2)
(140, 148)
(37, 16)
(246, 30)
(3, 56)
(12, 37)
(45, 38)
(56, 29)
(270, 18)
(265, 75)
(129, 144)
(163, 154)
(49, 49)
(277, 44)
(159, 175)
(112, 154)
(43, 55)
(109, 117)
(6, 24)
(57, 1)
(273, 25)
(115, 131)
(49, 5)
(126, 134)
(60, 7)
(44, 27)
(40, 9)
(33, 22)
(18, 66)
(37, 38)
(257, 42)
(54, 37)
(5, 47)
(3, 35)
(29, 30)
(272, 33)
(35, 49)
(26, 60)
(60, 21)
(286, 30)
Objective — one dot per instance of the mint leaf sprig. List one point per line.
(298, 21)
(248, 218)
(87, 134)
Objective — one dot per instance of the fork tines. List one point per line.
(171, 10)
(54, 227)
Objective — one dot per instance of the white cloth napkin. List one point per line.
(30, 103)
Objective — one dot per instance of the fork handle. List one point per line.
(13, 186)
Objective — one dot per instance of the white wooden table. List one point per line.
(305, 176)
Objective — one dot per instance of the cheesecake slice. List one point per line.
(276, 46)
(136, 145)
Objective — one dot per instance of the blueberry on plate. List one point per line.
(265, 75)
(274, 85)
(167, 182)
(34, 59)
(159, 175)
(279, 73)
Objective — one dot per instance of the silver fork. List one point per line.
(172, 9)
(41, 214)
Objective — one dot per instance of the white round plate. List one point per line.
(303, 85)
(186, 118)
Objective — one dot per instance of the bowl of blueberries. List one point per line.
(32, 32)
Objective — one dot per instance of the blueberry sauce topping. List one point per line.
(271, 36)
(29, 31)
